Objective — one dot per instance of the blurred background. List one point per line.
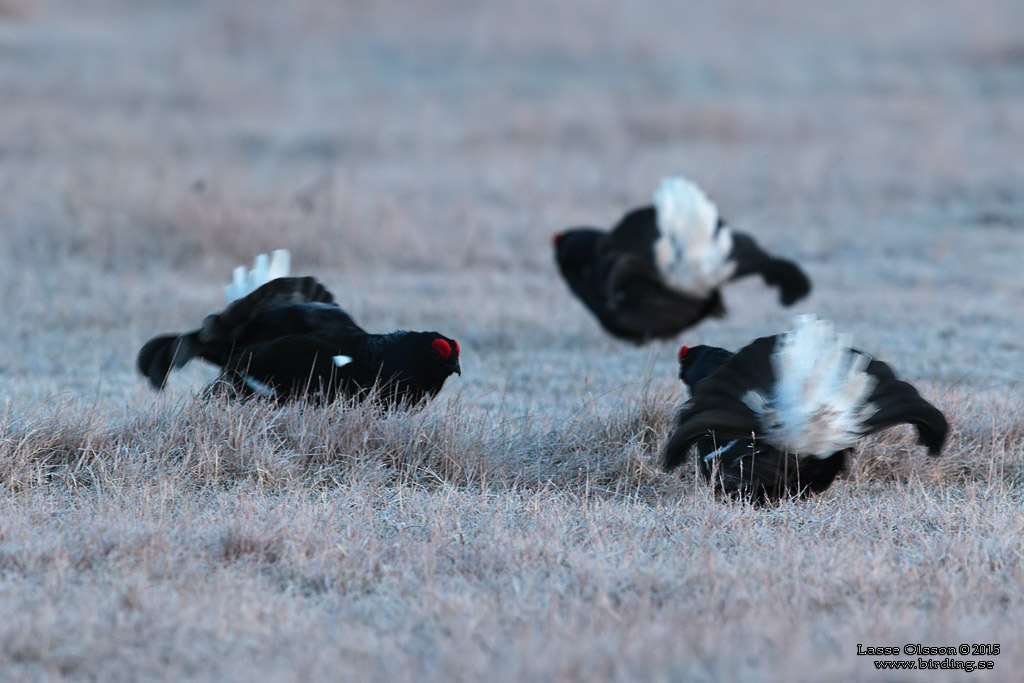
(418, 156)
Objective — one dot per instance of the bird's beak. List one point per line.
(458, 369)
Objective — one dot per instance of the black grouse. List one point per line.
(286, 338)
(780, 417)
(659, 271)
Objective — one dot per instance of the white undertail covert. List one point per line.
(264, 269)
(818, 404)
(691, 253)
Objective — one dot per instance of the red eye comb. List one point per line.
(682, 351)
(458, 351)
(556, 239)
(442, 347)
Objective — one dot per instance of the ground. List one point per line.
(417, 158)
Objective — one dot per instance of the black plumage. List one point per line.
(660, 269)
(743, 448)
(288, 339)
(698, 362)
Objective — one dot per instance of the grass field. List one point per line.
(417, 159)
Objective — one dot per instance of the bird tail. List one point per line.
(694, 245)
(819, 403)
(264, 269)
(162, 354)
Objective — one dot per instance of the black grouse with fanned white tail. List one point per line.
(660, 270)
(286, 338)
(780, 417)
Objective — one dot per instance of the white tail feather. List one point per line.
(692, 253)
(264, 269)
(280, 264)
(819, 402)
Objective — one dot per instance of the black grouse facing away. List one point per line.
(287, 339)
(780, 417)
(659, 271)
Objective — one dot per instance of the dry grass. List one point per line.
(213, 541)
(518, 528)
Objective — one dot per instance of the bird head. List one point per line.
(445, 352)
(415, 365)
(574, 248)
(698, 362)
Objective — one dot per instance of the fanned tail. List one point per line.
(820, 399)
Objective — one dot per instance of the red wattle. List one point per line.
(442, 347)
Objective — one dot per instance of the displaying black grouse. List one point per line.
(780, 417)
(659, 271)
(286, 338)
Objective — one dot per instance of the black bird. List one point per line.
(780, 417)
(288, 339)
(659, 271)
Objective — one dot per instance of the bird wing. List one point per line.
(717, 406)
(751, 259)
(639, 300)
(637, 232)
(293, 365)
(280, 307)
